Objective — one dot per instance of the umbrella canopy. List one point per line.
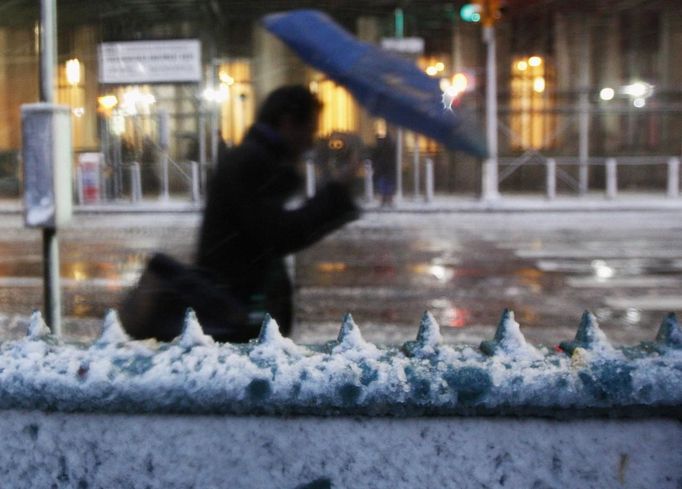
(385, 84)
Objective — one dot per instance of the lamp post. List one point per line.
(490, 14)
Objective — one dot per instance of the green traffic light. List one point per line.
(470, 13)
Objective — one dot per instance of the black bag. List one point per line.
(156, 306)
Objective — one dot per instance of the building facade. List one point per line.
(580, 82)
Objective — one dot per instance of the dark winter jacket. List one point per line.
(247, 231)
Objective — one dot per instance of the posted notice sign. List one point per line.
(171, 61)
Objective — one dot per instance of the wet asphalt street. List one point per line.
(387, 268)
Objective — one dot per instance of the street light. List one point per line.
(607, 94)
(73, 71)
(638, 89)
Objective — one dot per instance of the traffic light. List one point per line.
(486, 11)
(490, 11)
(470, 12)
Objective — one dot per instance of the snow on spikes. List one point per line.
(670, 334)
(428, 338)
(269, 331)
(37, 329)
(112, 331)
(509, 341)
(589, 336)
(350, 338)
(192, 333)
(270, 338)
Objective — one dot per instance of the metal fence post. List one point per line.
(551, 178)
(399, 167)
(673, 177)
(310, 178)
(611, 178)
(429, 180)
(415, 163)
(195, 181)
(369, 181)
(79, 185)
(135, 182)
(164, 141)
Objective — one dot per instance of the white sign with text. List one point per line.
(171, 61)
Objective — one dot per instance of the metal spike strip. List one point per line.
(587, 336)
(353, 377)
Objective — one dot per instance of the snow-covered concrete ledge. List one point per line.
(349, 414)
(215, 452)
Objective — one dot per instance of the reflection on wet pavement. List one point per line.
(386, 270)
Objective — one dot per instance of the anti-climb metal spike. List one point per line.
(349, 336)
(429, 331)
(192, 333)
(428, 337)
(112, 331)
(37, 327)
(589, 336)
(269, 331)
(508, 337)
(349, 330)
(670, 334)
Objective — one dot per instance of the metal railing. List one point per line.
(555, 173)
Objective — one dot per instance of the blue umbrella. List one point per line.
(385, 84)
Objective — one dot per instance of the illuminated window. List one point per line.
(339, 111)
(532, 122)
(71, 92)
(237, 107)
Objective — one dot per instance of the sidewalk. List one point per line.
(408, 204)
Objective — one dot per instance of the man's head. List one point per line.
(293, 112)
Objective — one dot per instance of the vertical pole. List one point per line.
(490, 184)
(310, 184)
(48, 56)
(202, 143)
(369, 181)
(415, 164)
(551, 178)
(611, 178)
(117, 167)
(79, 185)
(399, 33)
(135, 182)
(673, 177)
(195, 181)
(584, 114)
(399, 166)
(215, 115)
(164, 143)
(48, 49)
(429, 180)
